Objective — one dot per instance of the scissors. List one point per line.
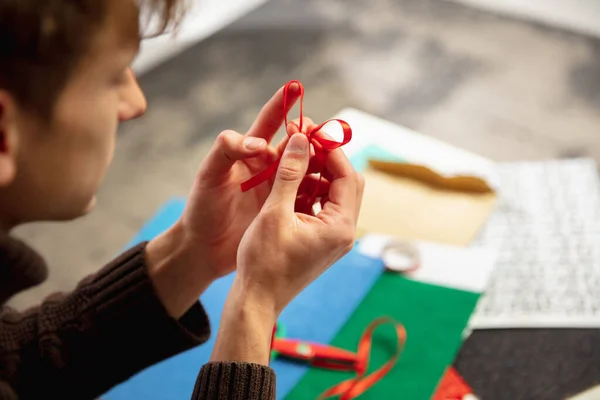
(337, 359)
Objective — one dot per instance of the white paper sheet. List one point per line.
(547, 230)
(590, 394)
(414, 147)
(449, 266)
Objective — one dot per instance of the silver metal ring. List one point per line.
(400, 256)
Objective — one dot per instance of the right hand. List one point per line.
(283, 251)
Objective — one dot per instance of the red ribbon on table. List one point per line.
(321, 144)
(362, 382)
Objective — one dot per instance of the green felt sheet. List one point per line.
(434, 317)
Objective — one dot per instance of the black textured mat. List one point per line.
(530, 364)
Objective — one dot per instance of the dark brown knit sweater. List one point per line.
(80, 344)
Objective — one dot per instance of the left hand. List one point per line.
(218, 212)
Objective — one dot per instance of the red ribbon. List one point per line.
(321, 145)
(362, 382)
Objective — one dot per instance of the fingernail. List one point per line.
(253, 143)
(298, 143)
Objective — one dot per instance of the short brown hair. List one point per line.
(41, 42)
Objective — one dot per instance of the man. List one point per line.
(65, 84)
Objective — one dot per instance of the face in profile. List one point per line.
(52, 169)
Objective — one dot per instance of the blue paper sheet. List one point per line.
(317, 314)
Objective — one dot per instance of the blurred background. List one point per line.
(507, 79)
(510, 80)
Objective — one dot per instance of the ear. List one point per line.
(8, 139)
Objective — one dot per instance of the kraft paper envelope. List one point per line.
(413, 202)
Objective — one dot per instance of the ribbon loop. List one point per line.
(354, 387)
(322, 145)
(286, 89)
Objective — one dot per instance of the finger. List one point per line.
(278, 151)
(274, 153)
(280, 148)
(292, 128)
(324, 201)
(290, 173)
(316, 167)
(307, 125)
(230, 147)
(337, 165)
(344, 184)
(272, 115)
(359, 194)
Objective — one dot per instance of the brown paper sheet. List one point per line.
(414, 203)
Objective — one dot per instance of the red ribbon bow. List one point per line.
(321, 145)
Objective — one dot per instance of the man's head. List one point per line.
(65, 84)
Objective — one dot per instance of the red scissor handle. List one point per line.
(316, 354)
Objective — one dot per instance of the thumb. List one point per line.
(292, 169)
(230, 147)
